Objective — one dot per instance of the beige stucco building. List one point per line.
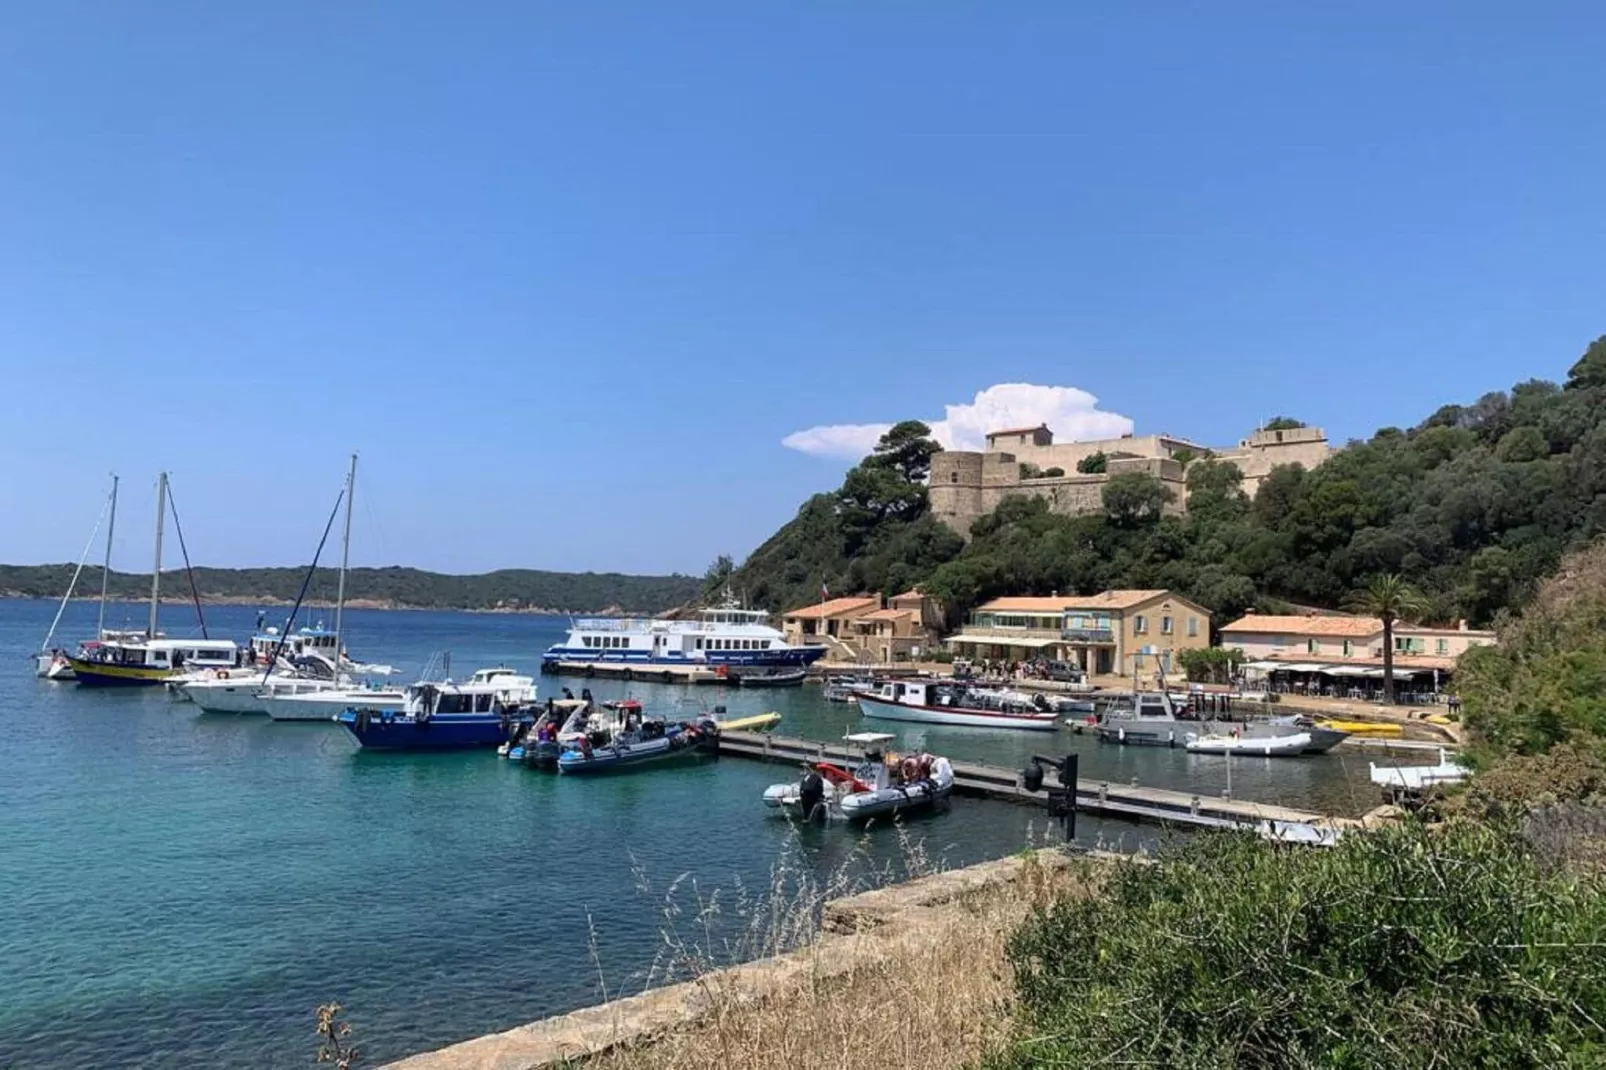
(861, 629)
(1115, 632)
(1348, 641)
(966, 484)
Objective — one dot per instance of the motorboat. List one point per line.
(484, 711)
(638, 742)
(770, 677)
(540, 741)
(324, 704)
(725, 635)
(880, 786)
(1295, 745)
(843, 688)
(955, 703)
(1415, 779)
(1159, 719)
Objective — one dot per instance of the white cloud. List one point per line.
(1072, 414)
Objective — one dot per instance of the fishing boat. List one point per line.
(1290, 746)
(640, 741)
(725, 635)
(484, 711)
(50, 662)
(150, 659)
(880, 786)
(959, 704)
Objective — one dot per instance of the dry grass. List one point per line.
(925, 986)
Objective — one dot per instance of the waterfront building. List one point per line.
(1026, 460)
(862, 629)
(1351, 645)
(1111, 633)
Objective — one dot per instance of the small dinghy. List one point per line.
(1259, 747)
(880, 787)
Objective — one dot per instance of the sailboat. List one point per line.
(315, 663)
(50, 662)
(133, 661)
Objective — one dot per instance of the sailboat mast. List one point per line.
(345, 557)
(106, 565)
(156, 573)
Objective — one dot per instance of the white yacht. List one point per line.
(324, 704)
(725, 635)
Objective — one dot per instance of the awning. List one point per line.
(1344, 670)
(1032, 642)
(1263, 666)
(1299, 667)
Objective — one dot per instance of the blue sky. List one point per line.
(567, 274)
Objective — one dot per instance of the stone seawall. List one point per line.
(857, 930)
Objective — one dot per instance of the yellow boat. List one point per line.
(760, 722)
(1372, 729)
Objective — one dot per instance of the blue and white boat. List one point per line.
(486, 711)
(639, 743)
(721, 636)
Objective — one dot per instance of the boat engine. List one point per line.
(811, 794)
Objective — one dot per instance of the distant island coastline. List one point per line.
(394, 587)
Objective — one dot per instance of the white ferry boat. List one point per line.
(720, 636)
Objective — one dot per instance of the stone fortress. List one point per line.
(966, 485)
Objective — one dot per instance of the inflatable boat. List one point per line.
(878, 788)
(1258, 746)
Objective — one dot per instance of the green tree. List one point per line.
(1212, 664)
(907, 448)
(1390, 599)
(1093, 464)
(1134, 498)
(718, 576)
(1283, 423)
(1590, 371)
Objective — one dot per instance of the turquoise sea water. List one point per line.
(179, 888)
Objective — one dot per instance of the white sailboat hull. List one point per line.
(1035, 721)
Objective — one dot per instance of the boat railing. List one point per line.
(611, 624)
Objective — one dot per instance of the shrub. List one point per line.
(1401, 947)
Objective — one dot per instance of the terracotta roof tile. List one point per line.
(1025, 604)
(836, 607)
(889, 614)
(1349, 627)
(1018, 430)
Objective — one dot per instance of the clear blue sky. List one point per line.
(566, 274)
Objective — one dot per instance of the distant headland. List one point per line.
(393, 587)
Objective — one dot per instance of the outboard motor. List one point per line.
(811, 794)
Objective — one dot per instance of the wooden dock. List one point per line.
(1092, 796)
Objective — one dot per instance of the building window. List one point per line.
(1349, 648)
(1442, 647)
(1140, 625)
(1409, 644)
(953, 477)
(1165, 625)
(1193, 627)
(1313, 646)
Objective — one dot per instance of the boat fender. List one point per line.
(221, 674)
(1120, 735)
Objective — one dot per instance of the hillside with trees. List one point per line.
(1471, 507)
(506, 589)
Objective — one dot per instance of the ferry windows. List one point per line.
(699, 644)
(766, 644)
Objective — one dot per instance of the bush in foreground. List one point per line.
(1402, 947)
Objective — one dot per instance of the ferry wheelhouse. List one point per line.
(719, 636)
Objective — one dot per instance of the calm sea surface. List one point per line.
(179, 888)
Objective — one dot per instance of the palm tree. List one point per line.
(1389, 598)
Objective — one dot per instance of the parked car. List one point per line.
(1065, 671)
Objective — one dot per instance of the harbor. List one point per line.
(226, 820)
